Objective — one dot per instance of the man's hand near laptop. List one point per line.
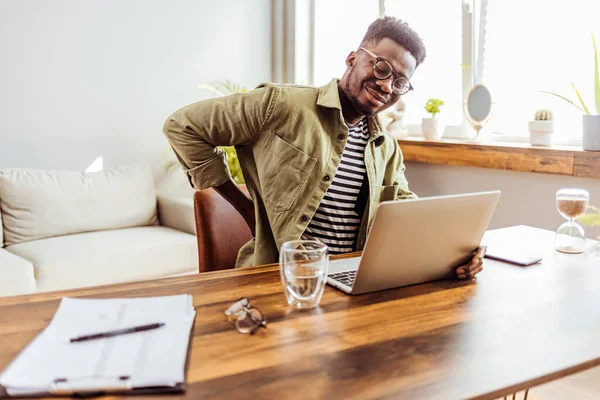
(474, 267)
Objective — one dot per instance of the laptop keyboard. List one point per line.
(347, 278)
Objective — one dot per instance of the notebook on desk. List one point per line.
(147, 361)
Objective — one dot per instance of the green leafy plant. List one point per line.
(433, 106)
(583, 107)
(543, 115)
(234, 164)
(224, 88)
(591, 217)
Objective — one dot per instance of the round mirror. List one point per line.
(478, 107)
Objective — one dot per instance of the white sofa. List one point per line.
(63, 230)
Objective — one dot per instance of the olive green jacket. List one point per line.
(289, 140)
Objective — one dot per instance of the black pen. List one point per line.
(117, 332)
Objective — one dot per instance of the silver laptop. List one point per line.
(416, 241)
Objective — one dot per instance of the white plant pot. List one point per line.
(540, 132)
(432, 128)
(591, 132)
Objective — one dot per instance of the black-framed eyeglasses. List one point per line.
(247, 319)
(383, 70)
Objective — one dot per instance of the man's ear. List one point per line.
(351, 59)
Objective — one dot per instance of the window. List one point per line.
(336, 34)
(339, 27)
(526, 46)
(439, 24)
(534, 45)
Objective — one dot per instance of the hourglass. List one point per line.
(571, 204)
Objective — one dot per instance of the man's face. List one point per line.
(368, 94)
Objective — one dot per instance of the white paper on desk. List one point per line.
(150, 358)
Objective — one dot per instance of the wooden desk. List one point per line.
(515, 328)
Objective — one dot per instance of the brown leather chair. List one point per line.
(220, 229)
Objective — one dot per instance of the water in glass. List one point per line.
(303, 265)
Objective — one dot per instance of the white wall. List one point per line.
(527, 198)
(80, 79)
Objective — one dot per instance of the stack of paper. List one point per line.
(51, 363)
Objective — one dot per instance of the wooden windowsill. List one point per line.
(560, 160)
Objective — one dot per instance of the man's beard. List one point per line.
(353, 99)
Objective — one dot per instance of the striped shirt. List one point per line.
(336, 222)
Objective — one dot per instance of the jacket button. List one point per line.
(341, 136)
(326, 178)
(304, 218)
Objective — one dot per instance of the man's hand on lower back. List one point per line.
(240, 201)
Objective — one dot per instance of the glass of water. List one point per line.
(303, 265)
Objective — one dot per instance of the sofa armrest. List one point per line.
(16, 275)
(177, 213)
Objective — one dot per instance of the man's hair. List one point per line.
(399, 32)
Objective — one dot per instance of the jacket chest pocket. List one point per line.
(283, 170)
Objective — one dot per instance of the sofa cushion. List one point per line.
(39, 204)
(177, 213)
(16, 275)
(112, 256)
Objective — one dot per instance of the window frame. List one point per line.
(474, 20)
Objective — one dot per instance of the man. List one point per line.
(316, 161)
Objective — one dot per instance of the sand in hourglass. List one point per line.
(571, 208)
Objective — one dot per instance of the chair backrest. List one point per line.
(220, 229)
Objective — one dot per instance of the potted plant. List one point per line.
(591, 122)
(431, 127)
(591, 218)
(541, 128)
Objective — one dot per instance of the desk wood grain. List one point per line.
(512, 329)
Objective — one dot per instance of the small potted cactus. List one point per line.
(541, 128)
